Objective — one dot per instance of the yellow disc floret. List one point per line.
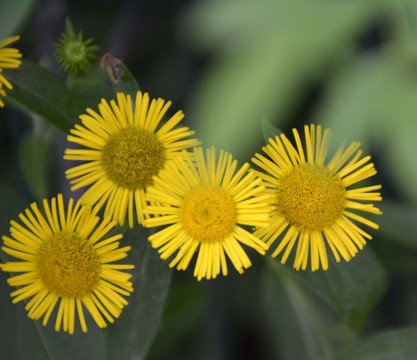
(310, 197)
(208, 213)
(132, 157)
(68, 265)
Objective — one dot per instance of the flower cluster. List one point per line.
(130, 163)
(209, 205)
(141, 166)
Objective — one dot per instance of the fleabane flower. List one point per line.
(317, 202)
(64, 261)
(205, 205)
(8, 60)
(125, 146)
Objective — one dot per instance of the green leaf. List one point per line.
(267, 51)
(296, 325)
(90, 87)
(80, 346)
(40, 91)
(60, 345)
(11, 203)
(131, 335)
(352, 289)
(185, 306)
(373, 100)
(398, 223)
(120, 76)
(29, 344)
(370, 98)
(399, 344)
(33, 162)
(8, 321)
(18, 336)
(12, 15)
(126, 83)
(401, 158)
(269, 131)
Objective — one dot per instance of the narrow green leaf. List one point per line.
(33, 160)
(18, 337)
(373, 100)
(399, 223)
(40, 91)
(352, 288)
(11, 203)
(29, 344)
(184, 307)
(131, 335)
(401, 159)
(269, 131)
(363, 100)
(267, 51)
(126, 82)
(80, 346)
(12, 15)
(399, 344)
(120, 76)
(8, 321)
(90, 87)
(296, 326)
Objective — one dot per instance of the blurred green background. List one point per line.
(240, 70)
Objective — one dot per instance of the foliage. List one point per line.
(268, 66)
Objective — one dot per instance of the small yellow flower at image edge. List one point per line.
(314, 201)
(65, 262)
(205, 205)
(8, 60)
(125, 146)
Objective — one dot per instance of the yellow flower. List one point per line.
(8, 60)
(314, 203)
(65, 261)
(207, 205)
(126, 147)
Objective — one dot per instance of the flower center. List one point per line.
(68, 265)
(75, 51)
(132, 157)
(208, 214)
(310, 197)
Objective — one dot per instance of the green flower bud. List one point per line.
(73, 52)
